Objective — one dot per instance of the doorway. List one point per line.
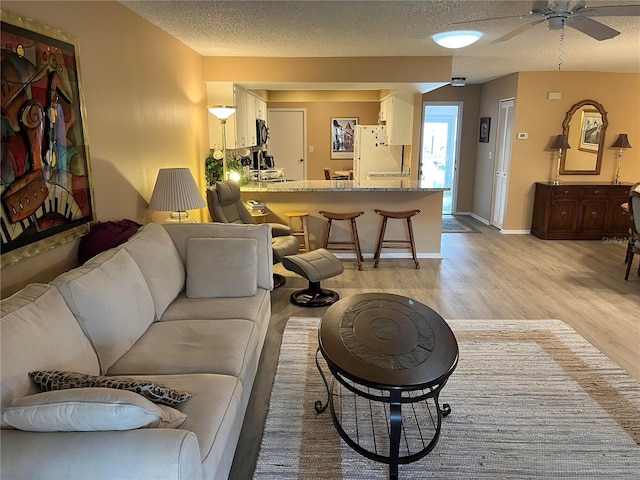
(440, 149)
(287, 140)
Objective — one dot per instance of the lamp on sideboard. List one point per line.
(176, 192)
(621, 143)
(560, 143)
(222, 113)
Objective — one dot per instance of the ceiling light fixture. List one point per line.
(456, 39)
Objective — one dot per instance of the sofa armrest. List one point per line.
(133, 454)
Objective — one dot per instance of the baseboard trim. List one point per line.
(480, 219)
(369, 256)
(515, 232)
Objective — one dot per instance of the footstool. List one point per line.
(315, 266)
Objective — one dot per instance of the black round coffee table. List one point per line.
(386, 351)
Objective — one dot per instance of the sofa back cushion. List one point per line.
(111, 301)
(181, 233)
(38, 332)
(221, 267)
(160, 263)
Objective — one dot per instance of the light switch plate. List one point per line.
(523, 136)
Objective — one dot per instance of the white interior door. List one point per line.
(504, 138)
(287, 139)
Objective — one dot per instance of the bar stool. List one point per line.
(354, 244)
(382, 243)
(302, 231)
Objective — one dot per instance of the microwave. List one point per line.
(262, 132)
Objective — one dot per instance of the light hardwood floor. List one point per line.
(484, 276)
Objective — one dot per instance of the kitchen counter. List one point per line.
(342, 196)
(376, 185)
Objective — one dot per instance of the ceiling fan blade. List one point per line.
(610, 11)
(517, 31)
(592, 28)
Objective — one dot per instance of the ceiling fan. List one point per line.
(572, 13)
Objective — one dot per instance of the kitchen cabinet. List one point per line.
(241, 126)
(396, 113)
(579, 211)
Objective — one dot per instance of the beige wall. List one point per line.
(145, 102)
(319, 116)
(341, 69)
(619, 94)
(490, 95)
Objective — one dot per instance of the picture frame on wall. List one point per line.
(590, 130)
(485, 127)
(342, 130)
(46, 192)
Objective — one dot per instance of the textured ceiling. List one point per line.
(392, 28)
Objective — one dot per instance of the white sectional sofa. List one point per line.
(184, 306)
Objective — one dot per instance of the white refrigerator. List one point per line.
(372, 158)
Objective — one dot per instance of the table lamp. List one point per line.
(621, 143)
(222, 113)
(176, 192)
(560, 143)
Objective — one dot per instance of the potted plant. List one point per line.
(213, 168)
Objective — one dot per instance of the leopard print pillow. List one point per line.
(50, 380)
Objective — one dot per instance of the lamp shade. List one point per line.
(621, 142)
(560, 142)
(176, 191)
(222, 112)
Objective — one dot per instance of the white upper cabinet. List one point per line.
(396, 111)
(241, 126)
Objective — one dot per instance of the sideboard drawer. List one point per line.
(565, 191)
(596, 192)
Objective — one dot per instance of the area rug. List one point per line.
(455, 224)
(529, 399)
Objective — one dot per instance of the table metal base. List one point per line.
(374, 423)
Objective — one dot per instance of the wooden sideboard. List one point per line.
(580, 211)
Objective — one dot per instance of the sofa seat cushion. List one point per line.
(247, 308)
(214, 414)
(111, 301)
(89, 410)
(160, 263)
(38, 331)
(191, 346)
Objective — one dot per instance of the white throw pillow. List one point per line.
(111, 300)
(221, 267)
(89, 410)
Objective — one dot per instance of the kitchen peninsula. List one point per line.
(353, 196)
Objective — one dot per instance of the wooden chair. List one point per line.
(382, 243)
(354, 244)
(633, 246)
(328, 175)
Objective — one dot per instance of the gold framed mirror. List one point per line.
(585, 126)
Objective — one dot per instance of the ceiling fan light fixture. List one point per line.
(456, 39)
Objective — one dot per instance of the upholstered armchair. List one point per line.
(225, 206)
